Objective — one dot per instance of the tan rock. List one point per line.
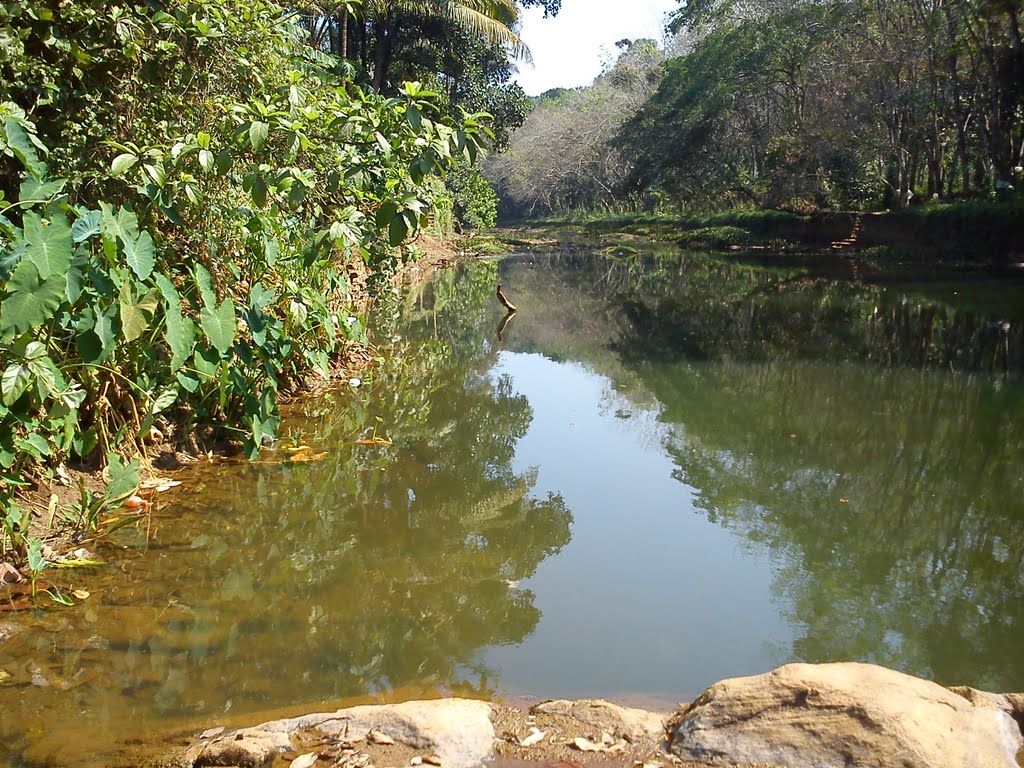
(459, 731)
(634, 725)
(820, 716)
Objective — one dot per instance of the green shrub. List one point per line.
(476, 204)
(191, 264)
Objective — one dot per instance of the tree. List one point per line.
(562, 158)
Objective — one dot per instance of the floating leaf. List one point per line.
(81, 594)
(58, 597)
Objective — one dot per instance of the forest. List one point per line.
(852, 105)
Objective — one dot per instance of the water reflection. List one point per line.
(379, 568)
(869, 442)
(762, 462)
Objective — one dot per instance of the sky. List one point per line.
(568, 49)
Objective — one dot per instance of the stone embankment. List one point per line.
(806, 715)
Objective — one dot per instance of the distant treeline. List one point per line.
(810, 105)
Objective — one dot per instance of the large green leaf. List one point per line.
(121, 224)
(219, 325)
(18, 141)
(140, 255)
(122, 163)
(180, 331)
(96, 335)
(123, 479)
(31, 301)
(16, 379)
(258, 132)
(204, 282)
(48, 245)
(40, 190)
(136, 313)
(86, 225)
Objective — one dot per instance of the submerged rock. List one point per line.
(820, 716)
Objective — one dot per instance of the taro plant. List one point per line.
(190, 270)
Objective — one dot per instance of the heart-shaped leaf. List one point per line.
(219, 325)
(48, 245)
(31, 300)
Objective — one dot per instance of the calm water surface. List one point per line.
(659, 473)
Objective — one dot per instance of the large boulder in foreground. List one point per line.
(847, 714)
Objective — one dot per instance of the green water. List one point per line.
(664, 472)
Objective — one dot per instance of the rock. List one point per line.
(820, 716)
(251, 748)
(9, 629)
(459, 731)
(634, 725)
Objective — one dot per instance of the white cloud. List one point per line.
(568, 49)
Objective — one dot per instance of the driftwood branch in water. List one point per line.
(504, 322)
(505, 302)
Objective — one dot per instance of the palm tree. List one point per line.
(379, 24)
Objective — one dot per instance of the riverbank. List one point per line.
(984, 233)
(57, 503)
(796, 715)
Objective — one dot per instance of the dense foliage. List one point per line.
(795, 103)
(182, 189)
(563, 157)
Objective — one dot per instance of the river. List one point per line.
(664, 470)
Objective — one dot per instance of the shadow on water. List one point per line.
(763, 463)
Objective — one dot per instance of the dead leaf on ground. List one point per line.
(432, 760)
(304, 456)
(304, 761)
(586, 745)
(4, 674)
(209, 733)
(9, 574)
(533, 737)
(159, 484)
(379, 737)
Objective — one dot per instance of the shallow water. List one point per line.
(664, 472)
